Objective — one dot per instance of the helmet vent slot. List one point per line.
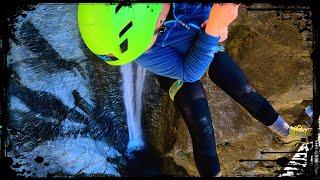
(119, 6)
(125, 29)
(108, 57)
(124, 46)
(112, 57)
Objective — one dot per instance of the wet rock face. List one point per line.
(159, 118)
(67, 112)
(64, 102)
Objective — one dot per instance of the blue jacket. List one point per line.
(184, 51)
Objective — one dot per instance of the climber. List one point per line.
(179, 42)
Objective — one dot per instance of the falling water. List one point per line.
(133, 77)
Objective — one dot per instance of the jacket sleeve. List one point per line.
(199, 58)
(190, 67)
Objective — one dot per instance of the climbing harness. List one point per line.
(175, 88)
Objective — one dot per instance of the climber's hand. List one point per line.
(221, 15)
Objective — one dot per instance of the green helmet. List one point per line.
(117, 33)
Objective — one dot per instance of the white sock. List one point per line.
(218, 175)
(280, 126)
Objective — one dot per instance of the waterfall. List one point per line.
(133, 77)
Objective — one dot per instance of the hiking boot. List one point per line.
(296, 133)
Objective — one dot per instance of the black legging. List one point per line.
(193, 105)
(226, 74)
